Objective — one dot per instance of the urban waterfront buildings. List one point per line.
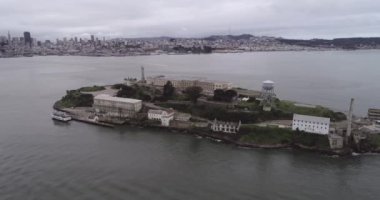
(116, 107)
(27, 39)
(311, 124)
(92, 46)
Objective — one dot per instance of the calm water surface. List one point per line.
(43, 159)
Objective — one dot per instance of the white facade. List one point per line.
(165, 120)
(225, 127)
(311, 124)
(161, 115)
(207, 86)
(155, 114)
(116, 106)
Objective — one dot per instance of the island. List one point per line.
(219, 111)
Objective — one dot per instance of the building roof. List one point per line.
(107, 97)
(160, 112)
(182, 115)
(155, 111)
(311, 118)
(187, 78)
(373, 110)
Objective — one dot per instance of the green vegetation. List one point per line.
(74, 98)
(252, 112)
(224, 95)
(137, 92)
(92, 89)
(266, 135)
(117, 86)
(252, 104)
(318, 111)
(374, 141)
(126, 92)
(274, 135)
(168, 90)
(193, 93)
(311, 140)
(211, 112)
(285, 110)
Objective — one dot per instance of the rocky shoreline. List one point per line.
(227, 139)
(205, 133)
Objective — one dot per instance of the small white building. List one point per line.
(311, 124)
(161, 115)
(225, 127)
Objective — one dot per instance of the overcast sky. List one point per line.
(48, 19)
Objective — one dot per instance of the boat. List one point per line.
(61, 116)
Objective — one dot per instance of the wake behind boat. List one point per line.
(61, 116)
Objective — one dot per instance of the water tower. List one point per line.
(267, 95)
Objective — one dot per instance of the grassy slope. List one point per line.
(287, 106)
(272, 136)
(92, 88)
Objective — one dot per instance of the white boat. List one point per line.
(61, 116)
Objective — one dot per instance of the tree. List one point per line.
(74, 98)
(193, 93)
(227, 96)
(230, 95)
(218, 95)
(168, 90)
(117, 86)
(126, 92)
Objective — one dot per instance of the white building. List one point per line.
(225, 127)
(109, 106)
(161, 115)
(311, 124)
(165, 120)
(206, 85)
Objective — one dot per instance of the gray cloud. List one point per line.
(48, 19)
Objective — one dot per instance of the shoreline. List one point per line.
(182, 54)
(227, 139)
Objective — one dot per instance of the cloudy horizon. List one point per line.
(304, 19)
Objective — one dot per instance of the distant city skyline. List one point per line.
(304, 19)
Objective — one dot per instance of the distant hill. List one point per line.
(337, 43)
(344, 43)
(229, 37)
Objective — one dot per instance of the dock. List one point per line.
(83, 115)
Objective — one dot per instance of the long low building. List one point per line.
(311, 124)
(109, 106)
(225, 127)
(207, 85)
